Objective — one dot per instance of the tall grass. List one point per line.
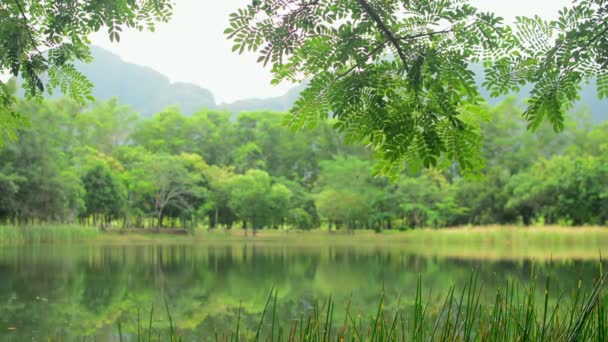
(513, 316)
(516, 314)
(13, 235)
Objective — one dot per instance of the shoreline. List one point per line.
(480, 242)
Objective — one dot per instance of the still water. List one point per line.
(75, 291)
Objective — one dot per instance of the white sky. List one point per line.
(192, 47)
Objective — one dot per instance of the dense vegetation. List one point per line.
(102, 165)
(402, 78)
(397, 75)
(400, 75)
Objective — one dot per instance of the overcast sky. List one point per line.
(192, 47)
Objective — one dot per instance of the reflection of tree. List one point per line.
(85, 290)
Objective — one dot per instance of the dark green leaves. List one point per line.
(397, 74)
(395, 82)
(39, 40)
(555, 57)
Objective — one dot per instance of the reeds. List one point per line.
(515, 314)
(13, 235)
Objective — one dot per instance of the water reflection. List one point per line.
(83, 290)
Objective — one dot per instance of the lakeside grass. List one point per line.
(12, 235)
(482, 242)
(517, 313)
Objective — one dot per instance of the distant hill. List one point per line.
(588, 101)
(143, 88)
(148, 91)
(279, 103)
(588, 98)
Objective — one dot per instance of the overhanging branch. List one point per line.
(425, 34)
(27, 28)
(385, 30)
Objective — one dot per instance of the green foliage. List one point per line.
(250, 198)
(9, 187)
(10, 120)
(219, 195)
(249, 156)
(300, 218)
(280, 198)
(344, 187)
(394, 82)
(428, 201)
(105, 126)
(103, 164)
(41, 40)
(173, 182)
(397, 75)
(556, 57)
(344, 208)
(105, 197)
(569, 189)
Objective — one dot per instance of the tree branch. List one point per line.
(594, 38)
(342, 74)
(425, 34)
(304, 7)
(27, 28)
(369, 54)
(384, 29)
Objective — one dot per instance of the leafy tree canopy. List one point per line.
(395, 74)
(99, 165)
(43, 38)
(398, 74)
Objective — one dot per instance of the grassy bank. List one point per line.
(11, 235)
(491, 242)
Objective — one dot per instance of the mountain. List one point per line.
(588, 101)
(279, 103)
(149, 92)
(143, 88)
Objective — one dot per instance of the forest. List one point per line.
(467, 124)
(103, 165)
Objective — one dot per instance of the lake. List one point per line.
(72, 291)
